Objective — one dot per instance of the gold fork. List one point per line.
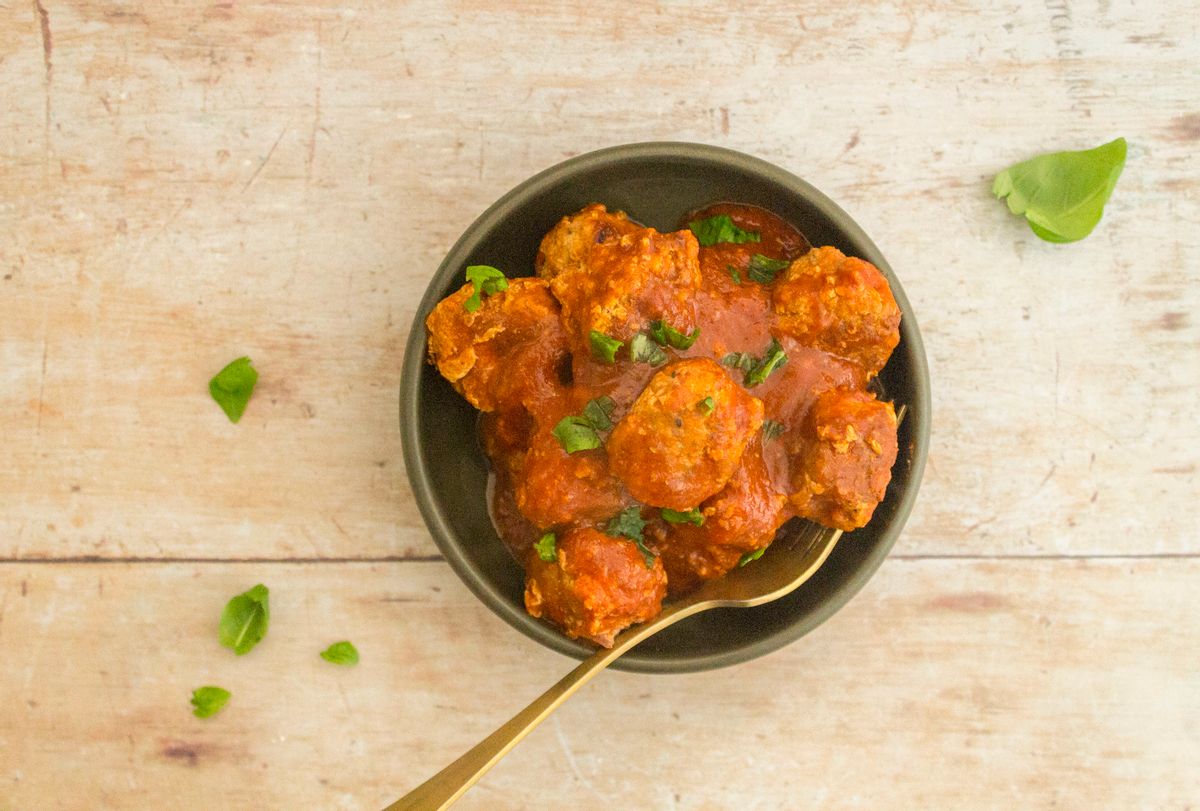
(787, 563)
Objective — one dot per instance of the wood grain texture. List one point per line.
(182, 184)
(946, 684)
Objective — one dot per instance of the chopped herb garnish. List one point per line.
(772, 429)
(643, 350)
(207, 701)
(232, 387)
(341, 653)
(1062, 194)
(762, 269)
(604, 347)
(750, 556)
(486, 280)
(706, 406)
(576, 433)
(737, 277)
(244, 620)
(545, 547)
(720, 228)
(739, 360)
(629, 524)
(599, 412)
(692, 516)
(665, 334)
(771, 360)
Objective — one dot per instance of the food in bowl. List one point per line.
(656, 405)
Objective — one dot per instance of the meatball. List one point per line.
(684, 435)
(506, 353)
(840, 304)
(555, 488)
(741, 518)
(595, 586)
(569, 244)
(628, 282)
(846, 464)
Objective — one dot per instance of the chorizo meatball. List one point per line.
(555, 488)
(628, 282)
(846, 464)
(741, 518)
(568, 245)
(595, 586)
(684, 435)
(840, 304)
(506, 352)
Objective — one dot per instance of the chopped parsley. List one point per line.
(581, 432)
(599, 413)
(692, 516)
(643, 350)
(208, 701)
(713, 230)
(486, 280)
(762, 269)
(739, 360)
(604, 347)
(545, 547)
(771, 360)
(706, 406)
(341, 653)
(232, 387)
(666, 335)
(772, 429)
(737, 277)
(750, 556)
(629, 524)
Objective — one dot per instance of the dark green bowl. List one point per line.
(655, 183)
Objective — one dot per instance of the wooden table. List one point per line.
(184, 183)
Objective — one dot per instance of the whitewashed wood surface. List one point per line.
(183, 183)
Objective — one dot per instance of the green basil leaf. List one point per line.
(720, 228)
(750, 556)
(599, 413)
(207, 701)
(1062, 194)
(737, 277)
(232, 387)
(666, 335)
(772, 359)
(576, 434)
(643, 350)
(692, 516)
(739, 360)
(545, 547)
(487, 280)
(604, 347)
(628, 523)
(341, 653)
(647, 556)
(706, 406)
(244, 620)
(772, 429)
(762, 269)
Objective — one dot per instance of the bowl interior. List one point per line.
(655, 184)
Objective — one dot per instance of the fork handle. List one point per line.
(444, 788)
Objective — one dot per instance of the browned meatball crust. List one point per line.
(675, 448)
(840, 304)
(568, 245)
(846, 464)
(596, 585)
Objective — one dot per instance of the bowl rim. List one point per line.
(415, 357)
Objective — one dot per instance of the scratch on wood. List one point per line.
(316, 122)
(41, 388)
(265, 160)
(43, 18)
(1177, 470)
(1049, 473)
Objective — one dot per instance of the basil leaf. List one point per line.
(750, 556)
(487, 280)
(643, 350)
(232, 387)
(718, 229)
(737, 277)
(772, 429)
(665, 335)
(772, 359)
(706, 406)
(576, 434)
(739, 360)
(647, 555)
(604, 347)
(1062, 194)
(692, 516)
(762, 269)
(341, 653)
(627, 523)
(545, 547)
(244, 620)
(599, 413)
(207, 701)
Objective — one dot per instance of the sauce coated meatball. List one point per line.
(846, 464)
(595, 586)
(568, 245)
(504, 354)
(840, 304)
(685, 435)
